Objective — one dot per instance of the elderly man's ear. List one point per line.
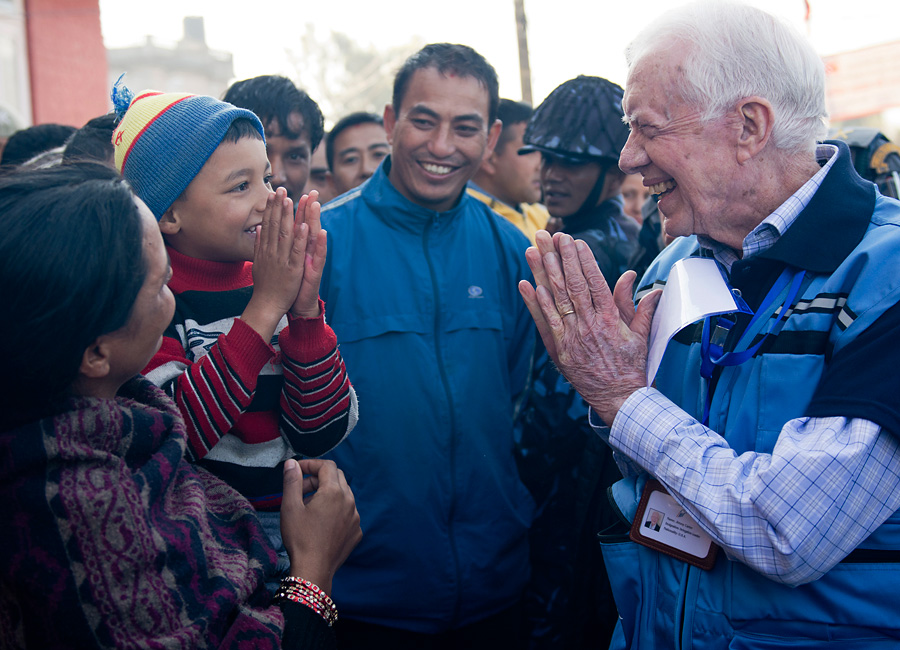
(757, 118)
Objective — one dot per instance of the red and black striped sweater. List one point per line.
(249, 404)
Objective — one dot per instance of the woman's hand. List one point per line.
(319, 530)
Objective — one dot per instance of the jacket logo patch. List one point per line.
(476, 292)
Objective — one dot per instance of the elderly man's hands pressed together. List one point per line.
(596, 338)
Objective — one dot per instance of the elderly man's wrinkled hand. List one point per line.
(597, 339)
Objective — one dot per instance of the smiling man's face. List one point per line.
(439, 136)
(689, 163)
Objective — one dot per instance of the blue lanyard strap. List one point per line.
(711, 347)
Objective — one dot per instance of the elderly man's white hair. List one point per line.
(737, 51)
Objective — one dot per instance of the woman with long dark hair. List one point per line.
(111, 539)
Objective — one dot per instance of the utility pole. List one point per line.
(524, 65)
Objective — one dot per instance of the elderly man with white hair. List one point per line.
(770, 435)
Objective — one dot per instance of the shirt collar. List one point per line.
(771, 229)
(379, 191)
(494, 202)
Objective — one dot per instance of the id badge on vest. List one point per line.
(663, 525)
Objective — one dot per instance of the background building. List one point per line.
(863, 88)
(190, 66)
(53, 65)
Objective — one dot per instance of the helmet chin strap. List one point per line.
(594, 195)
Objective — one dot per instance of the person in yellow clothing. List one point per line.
(508, 183)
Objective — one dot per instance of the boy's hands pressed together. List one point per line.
(306, 304)
(278, 265)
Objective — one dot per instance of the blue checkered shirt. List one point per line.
(792, 514)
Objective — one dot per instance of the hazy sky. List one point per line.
(565, 37)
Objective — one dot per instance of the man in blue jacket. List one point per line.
(420, 284)
(772, 436)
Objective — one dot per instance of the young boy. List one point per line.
(248, 357)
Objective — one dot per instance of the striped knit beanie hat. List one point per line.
(164, 139)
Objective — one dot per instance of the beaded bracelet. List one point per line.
(305, 596)
(306, 593)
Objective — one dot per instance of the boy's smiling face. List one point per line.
(215, 218)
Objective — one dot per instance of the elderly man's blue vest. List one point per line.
(848, 242)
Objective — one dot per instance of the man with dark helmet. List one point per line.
(579, 131)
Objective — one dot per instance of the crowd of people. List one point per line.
(386, 386)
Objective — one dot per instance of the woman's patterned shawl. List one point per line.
(109, 538)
